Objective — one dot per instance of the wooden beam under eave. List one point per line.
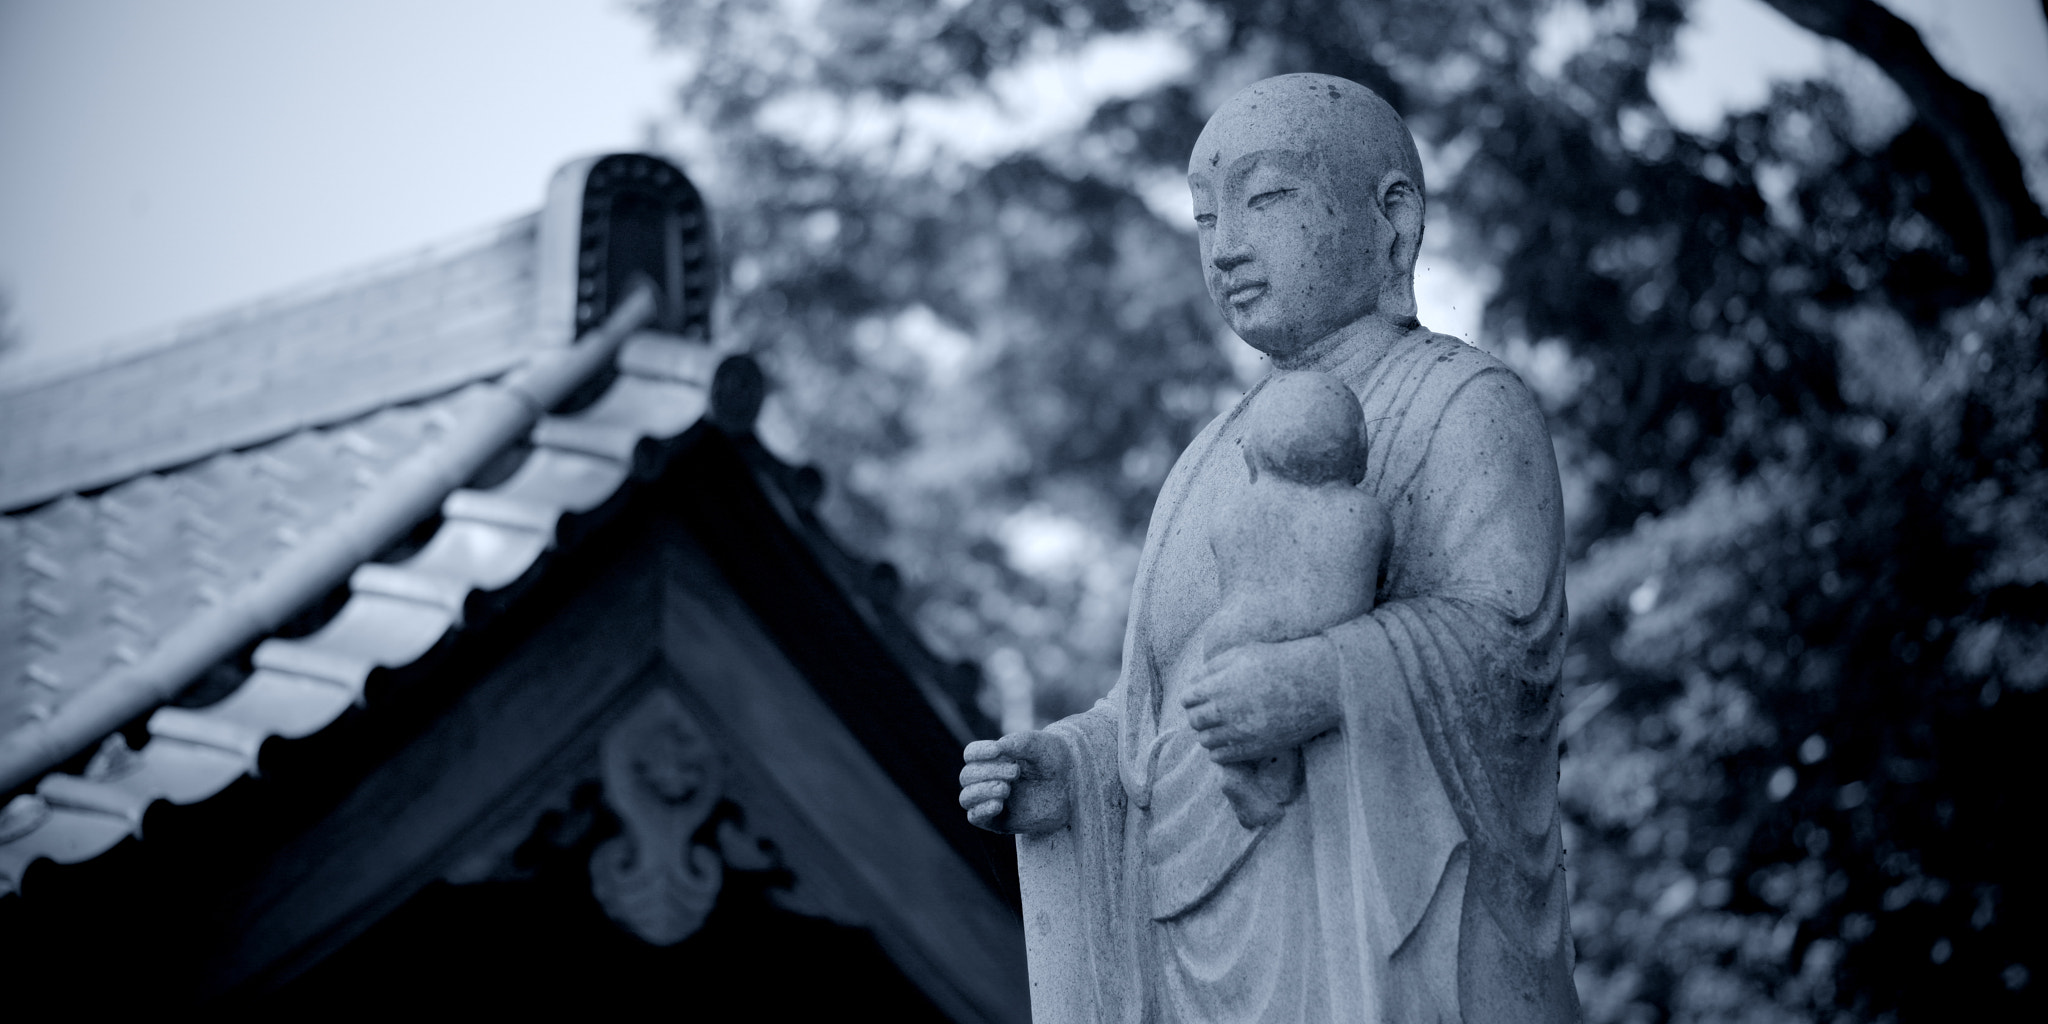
(940, 922)
(534, 714)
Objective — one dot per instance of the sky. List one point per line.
(162, 161)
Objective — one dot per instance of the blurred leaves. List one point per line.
(1798, 407)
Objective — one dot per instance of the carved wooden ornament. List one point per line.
(663, 778)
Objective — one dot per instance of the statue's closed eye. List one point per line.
(1266, 198)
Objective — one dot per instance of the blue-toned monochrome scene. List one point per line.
(1009, 510)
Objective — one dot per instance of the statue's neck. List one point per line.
(1365, 340)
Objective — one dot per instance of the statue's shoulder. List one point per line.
(1439, 373)
(1447, 357)
(1440, 402)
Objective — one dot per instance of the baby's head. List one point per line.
(1306, 427)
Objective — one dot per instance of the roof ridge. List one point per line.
(28, 370)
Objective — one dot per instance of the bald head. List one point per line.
(1360, 137)
(1308, 199)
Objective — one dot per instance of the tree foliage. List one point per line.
(1793, 369)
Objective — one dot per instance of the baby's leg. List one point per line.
(1258, 790)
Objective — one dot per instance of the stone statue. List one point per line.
(1307, 800)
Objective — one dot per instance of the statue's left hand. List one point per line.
(1261, 699)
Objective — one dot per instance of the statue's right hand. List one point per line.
(1018, 784)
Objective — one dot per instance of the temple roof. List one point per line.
(220, 451)
(215, 541)
(394, 334)
(101, 586)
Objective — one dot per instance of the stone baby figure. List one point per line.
(1298, 550)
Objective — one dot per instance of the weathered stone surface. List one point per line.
(1297, 551)
(1324, 787)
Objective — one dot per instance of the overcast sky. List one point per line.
(161, 161)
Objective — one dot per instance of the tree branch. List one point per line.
(1958, 114)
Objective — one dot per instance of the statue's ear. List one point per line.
(1401, 203)
(1250, 463)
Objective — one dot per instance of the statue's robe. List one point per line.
(1419, 874)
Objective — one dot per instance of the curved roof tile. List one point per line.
(394, 614)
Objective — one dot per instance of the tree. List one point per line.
(1793, 371)
(1964, 121)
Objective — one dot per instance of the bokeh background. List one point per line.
(1775, 270)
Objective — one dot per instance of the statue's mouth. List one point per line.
(1245, 294)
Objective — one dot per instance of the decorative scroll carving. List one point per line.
(663, 779)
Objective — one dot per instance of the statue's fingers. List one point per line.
(1025, 744)
(982, 771)
(984, 815)
(1227, 753)
(1204, 716)
(1215, 738)
(982, 750)
(1223, 679)
(984, 792)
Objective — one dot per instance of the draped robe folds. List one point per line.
(1419, 875)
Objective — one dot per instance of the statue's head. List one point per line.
(1306, 428)
(1308, 199)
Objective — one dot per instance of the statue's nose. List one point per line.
(1227, 260)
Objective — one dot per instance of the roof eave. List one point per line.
(501, 413)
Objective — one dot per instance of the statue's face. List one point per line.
(1288, 259)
